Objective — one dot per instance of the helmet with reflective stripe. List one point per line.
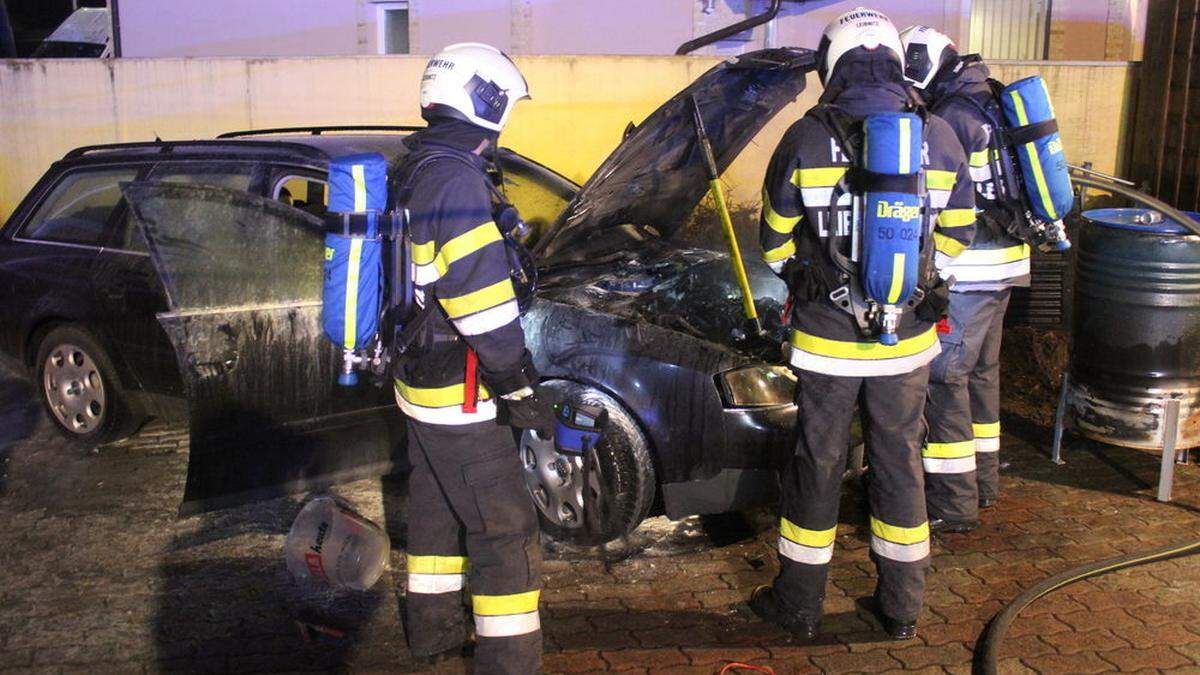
(473, 82)
(927, 53)
(861, 27)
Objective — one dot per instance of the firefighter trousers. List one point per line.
(961, 454)
(471, 520)
(891, 408)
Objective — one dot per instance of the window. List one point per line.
(79, 207)
(232, 175)
(392, 18)
(302, 192)
(538, 196)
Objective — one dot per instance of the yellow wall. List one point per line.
(580, 108)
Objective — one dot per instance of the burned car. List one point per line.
(136, 276)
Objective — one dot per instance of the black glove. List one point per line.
(530, 412)
(804, 280)
(936, 303)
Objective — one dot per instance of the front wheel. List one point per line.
(620, 480)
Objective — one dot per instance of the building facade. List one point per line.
(1019, 29)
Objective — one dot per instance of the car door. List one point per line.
(242, 274)
(127, 284)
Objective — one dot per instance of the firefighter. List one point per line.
(806, 201)
(465, 379)
(961, 456)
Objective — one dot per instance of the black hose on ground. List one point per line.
(987, 650)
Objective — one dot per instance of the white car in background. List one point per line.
(86, 34)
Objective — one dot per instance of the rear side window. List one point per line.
(79, 207)
(232, 175)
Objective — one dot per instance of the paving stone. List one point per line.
(1073, 642)
(1086, 662)
(1114, 619)
(941, 655)
(629, 659)
(573, 661)
(1134, 659)
(876, 661)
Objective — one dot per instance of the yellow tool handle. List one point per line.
(735, 257)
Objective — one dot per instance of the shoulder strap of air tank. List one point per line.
(838, 124)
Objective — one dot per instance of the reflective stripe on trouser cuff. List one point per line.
(986, 429)
(811, 547)
(488, 319)
(435, 583)
(506, 615)
(903, 544)
(987, 445)
(949, 465)
(509, 625)
(981, 174)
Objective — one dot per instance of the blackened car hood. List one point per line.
(656, 176)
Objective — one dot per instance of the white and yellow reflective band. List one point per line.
(949, 465)
(819, 177)
(951, 218)
(949, 450)
(902, 544)
(477, 301)
(431, 574)
(862, 359)
(968, 273)
(808, 547)
(350, 311)
(437, 397)
(1034, 161)
(424, 253)
(506, 615)
(939, 179)
(951, 247)
(452, 415)
(994, 256)
(488, 319)
(897, 272)
(780, 253)
(855, 350)
(905, 146)
(978, 158)
(358, 172)
(777, 222)
(468, 242)
(947, 458)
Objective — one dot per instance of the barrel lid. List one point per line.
(1129, 219)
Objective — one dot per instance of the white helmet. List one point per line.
(926, 53)
(473, 82)
(860, 27)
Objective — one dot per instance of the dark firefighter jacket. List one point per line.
(459, 264)
(996, 259)
(801, 178)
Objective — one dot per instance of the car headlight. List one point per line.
(757, 386)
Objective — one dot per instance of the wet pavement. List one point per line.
(98, 574)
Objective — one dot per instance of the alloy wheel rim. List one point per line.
(74, 389)
(554, 480)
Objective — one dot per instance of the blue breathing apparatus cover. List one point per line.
(352, 292)
(893, 219)
(1039, 152)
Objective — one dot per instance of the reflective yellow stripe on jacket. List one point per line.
(443, 405)
(854, 358)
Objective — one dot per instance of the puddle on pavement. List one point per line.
(661, 537)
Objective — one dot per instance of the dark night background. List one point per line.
(33, 20)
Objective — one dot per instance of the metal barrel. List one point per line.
(1136, 337)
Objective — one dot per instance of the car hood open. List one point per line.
(650, 183)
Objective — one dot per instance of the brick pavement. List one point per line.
(98, 575)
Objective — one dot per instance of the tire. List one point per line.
(626, 482)
(79, 388)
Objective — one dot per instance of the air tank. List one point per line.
(1136, 337)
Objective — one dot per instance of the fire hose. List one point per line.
(987, 651)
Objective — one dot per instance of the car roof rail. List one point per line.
(317, 131)
(167, 147)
